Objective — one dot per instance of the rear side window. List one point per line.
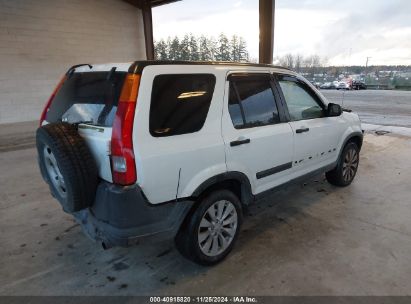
(90, 97)
(251, 102)
(180, 103)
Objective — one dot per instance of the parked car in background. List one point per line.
(359, 85)
(179, 149)
(328, 86)
(342, 85)
(316, 84)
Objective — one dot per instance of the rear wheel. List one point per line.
(343, 174)
(210, 231)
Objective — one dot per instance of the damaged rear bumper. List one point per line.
(122, 216)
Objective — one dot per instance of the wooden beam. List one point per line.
(148, 29)
(153, 3)
(137, 3)
(266, 23)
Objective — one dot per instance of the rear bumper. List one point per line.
(122, 216)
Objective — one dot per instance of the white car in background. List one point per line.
(342, 85)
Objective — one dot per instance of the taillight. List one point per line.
(48, 104)
(122, 155)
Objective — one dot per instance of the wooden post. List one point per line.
(266, 22)
(148, 29)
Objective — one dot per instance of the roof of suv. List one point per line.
(138, 66)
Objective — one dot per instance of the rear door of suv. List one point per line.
(258, 139)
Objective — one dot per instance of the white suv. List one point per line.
(177, 149)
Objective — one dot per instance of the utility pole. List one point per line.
(366, 68)
(366, 63)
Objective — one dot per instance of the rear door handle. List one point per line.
(239, 142)
(302, 130)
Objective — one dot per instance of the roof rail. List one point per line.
(138, 66)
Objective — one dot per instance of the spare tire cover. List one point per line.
(67, 165)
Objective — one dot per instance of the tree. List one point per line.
(289, 61)
(206, 51)
(193, 46)
(185, 48)
(235, 48)
(298, 62)
(160, 50)
(202, 48)
(223, 49)
(174, 49)
(242, 50)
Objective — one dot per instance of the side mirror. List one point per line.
(334, 109)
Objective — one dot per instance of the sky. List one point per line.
(343, 32)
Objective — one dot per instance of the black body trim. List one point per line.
(246, 194)
(274, 170)
(297, 180)
(121, 216)
(138, 66)
(349, 137)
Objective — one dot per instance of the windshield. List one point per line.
(90, 97)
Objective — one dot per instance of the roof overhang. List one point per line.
(151, 3)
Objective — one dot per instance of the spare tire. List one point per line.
(67, 165)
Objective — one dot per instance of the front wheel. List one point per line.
(209, 233)
(343, 174)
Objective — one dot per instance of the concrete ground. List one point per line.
(312, 239)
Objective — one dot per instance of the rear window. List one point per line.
(90, 97)
(180, 103)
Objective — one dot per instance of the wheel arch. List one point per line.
(234, 181)
(356, 137)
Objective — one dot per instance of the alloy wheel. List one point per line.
(217, 228)
(53, 172)
(350, 165)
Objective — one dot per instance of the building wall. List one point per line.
(40, 39)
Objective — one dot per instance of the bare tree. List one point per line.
(298, 62)
(289, 59)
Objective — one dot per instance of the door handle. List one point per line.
(302, 130)
(239, 142)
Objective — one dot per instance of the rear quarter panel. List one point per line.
(174, 166)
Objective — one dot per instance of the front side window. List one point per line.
(251, 102)
(300, 102)
(180, 103)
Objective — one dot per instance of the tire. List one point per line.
(191, 240)
(343, 174)
(67, 165)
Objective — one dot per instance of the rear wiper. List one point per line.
(85, 122)
(70, 71)
(111, 73)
